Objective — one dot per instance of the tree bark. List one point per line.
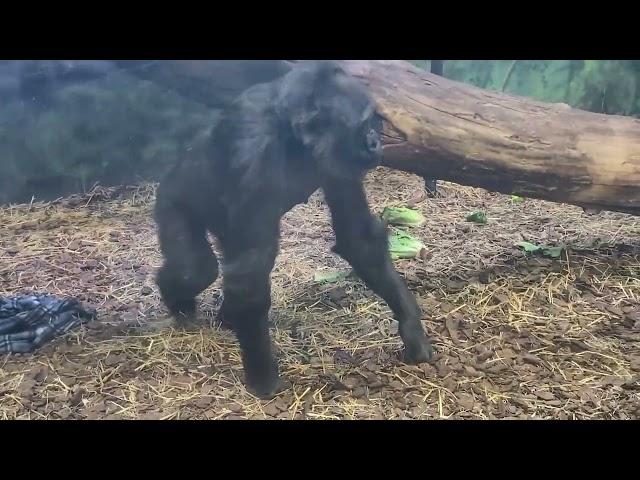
(443, 129)
(439, 128)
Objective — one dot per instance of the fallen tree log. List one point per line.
(439, 128)
(447, 130)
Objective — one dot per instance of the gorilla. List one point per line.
(316, 127)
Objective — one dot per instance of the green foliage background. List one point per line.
(603, 86)
(121, 129)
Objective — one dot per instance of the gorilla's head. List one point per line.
(333, 116)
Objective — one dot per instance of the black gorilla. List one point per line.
(278, 142)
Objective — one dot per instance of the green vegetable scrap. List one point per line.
(529, 247)
(403, 245)
(329, 276)
(403, 216)
(553, 252)
(548, 251)
(477, 217)
(516, 199)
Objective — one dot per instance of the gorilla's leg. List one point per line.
(190, 265)
(250, 249)
(362, 241)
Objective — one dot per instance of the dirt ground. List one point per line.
(517, 335)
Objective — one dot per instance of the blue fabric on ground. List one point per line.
(29, 321)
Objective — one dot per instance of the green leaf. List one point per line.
(403, 216)
(477, 217)
(403, 245)
(547, 251)
(516, 199)
(553, 252)
(329, 276)
(529, 247)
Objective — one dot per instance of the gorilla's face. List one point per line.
(345, 131)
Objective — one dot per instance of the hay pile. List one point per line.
(517, 336)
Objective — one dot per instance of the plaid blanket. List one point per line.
(29, 321)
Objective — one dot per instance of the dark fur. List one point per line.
(316, 127)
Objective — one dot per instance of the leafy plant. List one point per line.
(403, 216)
(403, 245)
(548, 251)
(329, 276)
(603, 86)
(477, 217)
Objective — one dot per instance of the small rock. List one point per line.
(316, 362)
(40, 374)
(341, 356)
(150, 415)
(531, 359)
(360, 392)
(271, 410)
(396, 385)
(26, 387)
(112, 360)
(545, 395)
(76, 398)
(234, 417)
(466, 401)
(472, 372)
(350, 383)
(75, 349)
(337, 294)
(393, 328)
